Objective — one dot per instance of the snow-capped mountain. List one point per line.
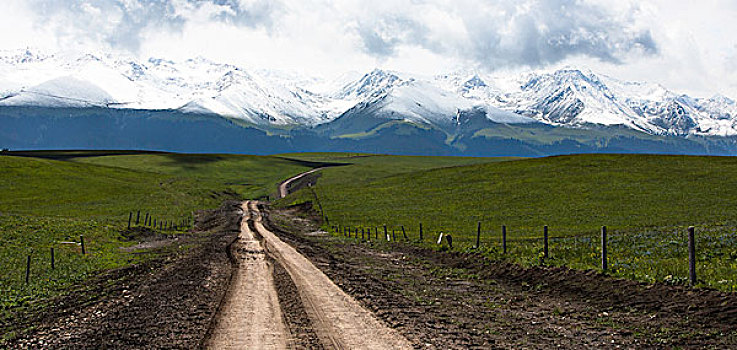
(195, 85)
(564, 98)
(410, 99)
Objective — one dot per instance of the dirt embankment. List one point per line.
(166, 302)
(453, 300)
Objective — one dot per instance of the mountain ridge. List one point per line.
(456, 109)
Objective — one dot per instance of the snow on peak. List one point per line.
(566, 97)
(371, 85)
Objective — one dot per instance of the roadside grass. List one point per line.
(46, 202)
(646, 201)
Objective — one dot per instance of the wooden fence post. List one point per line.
(363, 236)
(145, 221)
(420, 232)
(478, 236)
(504, 239)
(394, 236)
(52, 258)
(692, 255)
(545, 243)
(130, 217)
(404, 234)
(138, 217)
(28, 269)
(386, 234)
(81, 241)
(603, 249)
(376, 231)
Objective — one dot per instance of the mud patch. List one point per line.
(166, 302)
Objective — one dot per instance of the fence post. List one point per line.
(138, 217)
(376, 230)
(545, 243)
(603, 249)
(386, 234)
(478, 236)
(692, 255)
(420, 232)
(28, 268)
(504, 239)
(404, 234)
(130, 217)
(81, 241)
(145, 221)
(52, 258)
(394, 235)
(363, 235)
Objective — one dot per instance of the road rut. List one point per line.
(251, 317)
(340, 321)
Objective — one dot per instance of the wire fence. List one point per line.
(705, 255)
(60, 258)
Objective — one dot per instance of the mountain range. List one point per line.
(53, 100)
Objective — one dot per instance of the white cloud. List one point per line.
(684, 45)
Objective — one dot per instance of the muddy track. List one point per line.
(454, 300)
(252, 315)
(163, 303)
(259, 325)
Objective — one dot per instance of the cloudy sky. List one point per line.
(687, 46)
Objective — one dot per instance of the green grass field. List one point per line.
(646, 201)
(46, 202)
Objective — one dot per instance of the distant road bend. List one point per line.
(284, 186)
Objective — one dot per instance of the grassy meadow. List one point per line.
(48, 202)
(646, 201)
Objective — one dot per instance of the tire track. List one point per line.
(339, 320)
(251, 317)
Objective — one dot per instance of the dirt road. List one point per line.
(284, 186)
(251, 316)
